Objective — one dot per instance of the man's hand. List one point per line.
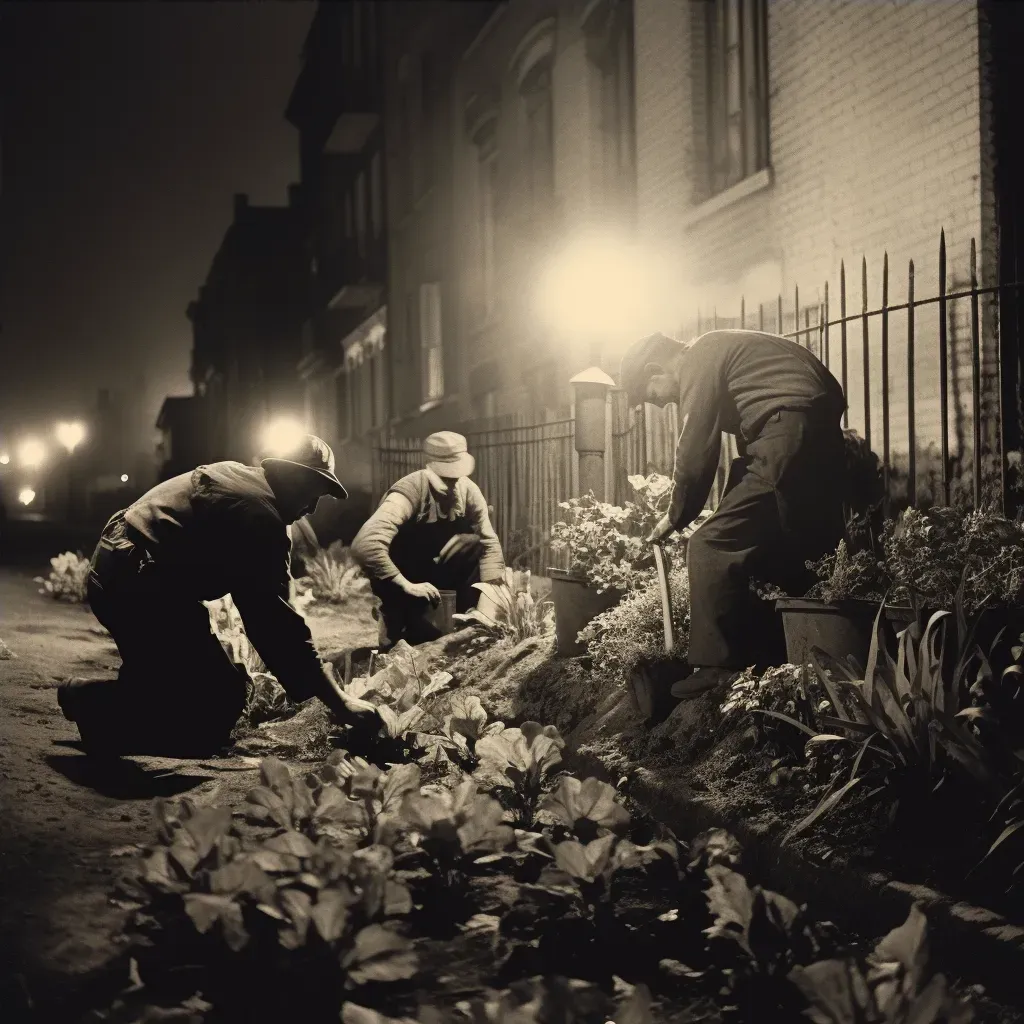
(661, 531)
(423, 590)
(348, 710)
(460, 544)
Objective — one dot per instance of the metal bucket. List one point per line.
(440, 615)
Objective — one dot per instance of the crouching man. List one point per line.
(783, 502)
(221, 529)
(431, 532)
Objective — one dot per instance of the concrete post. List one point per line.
(590, 390)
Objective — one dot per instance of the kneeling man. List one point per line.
(431, 532)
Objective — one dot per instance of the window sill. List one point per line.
(747, 187)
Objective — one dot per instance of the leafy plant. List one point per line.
(465, 724)
(772, 936)
(516, 614)
(891, 985)
(68, 578)
(334, 577)
(842, 576)
(906, 716)
(346, 799)
(452, 834)
(632, 633)
(518, 763)
(606, 545)
(785, 695)
(585, 809)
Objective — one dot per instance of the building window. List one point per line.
(736, 58)
(540, 140)
(487, 193)
(431, 346)
(376, 195)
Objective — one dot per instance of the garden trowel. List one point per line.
(651, 684)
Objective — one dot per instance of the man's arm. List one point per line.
(492, 562)
(277, 631)
(372, 544)
(699, 448)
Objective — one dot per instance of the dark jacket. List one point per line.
(413, 500)
(733, 382)
(217, 530)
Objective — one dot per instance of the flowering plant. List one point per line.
(68, 579)
(606, 543)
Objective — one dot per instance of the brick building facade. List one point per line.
(336, 105)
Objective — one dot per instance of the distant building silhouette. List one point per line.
(247, 328)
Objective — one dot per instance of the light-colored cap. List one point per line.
(448, 455)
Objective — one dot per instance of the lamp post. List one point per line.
(590, 391)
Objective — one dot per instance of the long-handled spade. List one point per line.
(651, 685)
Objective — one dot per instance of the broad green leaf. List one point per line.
(207, 826)
(380, 954)
(296, 905)
(331, 913)
(398, 781)
(585, 862)
(267, 805)
(205, 909)
(592, 799)
(293, 843)
(275, 775)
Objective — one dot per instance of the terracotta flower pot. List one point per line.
(576, 603)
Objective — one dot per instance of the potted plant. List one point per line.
(837, 613)
(606, 553)
(944, 558)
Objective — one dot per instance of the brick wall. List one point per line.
(875, 145)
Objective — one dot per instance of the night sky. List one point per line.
(127, 127)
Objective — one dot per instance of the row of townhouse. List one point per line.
(450, 153)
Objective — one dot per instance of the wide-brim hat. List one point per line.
(314, 455)
(448, 455)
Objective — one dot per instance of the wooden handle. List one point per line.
(661, 561)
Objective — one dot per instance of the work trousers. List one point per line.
(407, 618)
(177, 694)
(782, 507)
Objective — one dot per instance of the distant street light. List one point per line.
(124, 478)
(4, 459)
(70, 435)
(32, 454)
(26, 495)
(282, 436)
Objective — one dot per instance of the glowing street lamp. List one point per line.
(26, 495)
(282, 436)
(124, 478)
(70, 435)
(32, 453)
(601, 289)
(4, 459)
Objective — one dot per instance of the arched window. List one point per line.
(532, 66)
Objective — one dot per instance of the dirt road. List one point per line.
(64, 824)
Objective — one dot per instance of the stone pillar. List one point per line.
(590, 389)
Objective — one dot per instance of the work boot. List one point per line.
(702, 680)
